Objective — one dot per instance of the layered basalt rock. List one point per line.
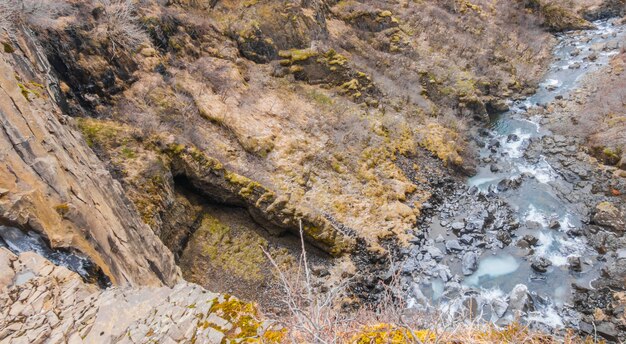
(52, 182)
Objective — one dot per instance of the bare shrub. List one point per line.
(119, 25)
(32, 13)
(314, 317)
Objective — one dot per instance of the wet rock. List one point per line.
(554, 224)
(540, 264)
(503, 185)
(575, 65)
(494, 144)
(504, 237)
(512, 138)
(494, 168)
(520, 300)
(532, 240)
(574, 264)
(593, 57)
(475, 222)
(499, 307)
(534, 225)
(470, 263)
(453, 246)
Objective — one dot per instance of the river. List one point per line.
(508, 245)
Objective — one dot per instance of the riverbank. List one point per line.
(529, 235)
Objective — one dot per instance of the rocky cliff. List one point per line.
(52, 183)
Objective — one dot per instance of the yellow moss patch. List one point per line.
(62, 209)
(297, 55)
(241, 254)
(246, 320)
(389, 334)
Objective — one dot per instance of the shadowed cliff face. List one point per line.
(53, 184)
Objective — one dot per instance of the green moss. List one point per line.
(320, 98)
(240, 254)
(128, 153)
(103, 133)
(27, 91)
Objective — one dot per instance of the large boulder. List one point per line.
(610, 217)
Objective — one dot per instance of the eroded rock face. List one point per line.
(43, 302)
(53, 183)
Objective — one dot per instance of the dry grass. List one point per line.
(119, 25)
(33, 13)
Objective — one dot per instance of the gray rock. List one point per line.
(453, 246)
(574, 264)
(470, 263)
(457, 226)
(499, 307)
(512, 138)
(435, 253)
(520, 301)
(540, 264)
(554, 224)
(466, 239)
(532, 240)
(608, 331)
(504, 237)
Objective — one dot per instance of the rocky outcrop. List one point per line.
(41, 302)
(52, 182)
(610, 217)
(557, 16)
(607, 9)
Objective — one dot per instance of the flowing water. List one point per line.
(501, 273)
(18, 241)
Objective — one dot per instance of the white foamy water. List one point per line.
(515, 149)
(557, 248)
(548, 316)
